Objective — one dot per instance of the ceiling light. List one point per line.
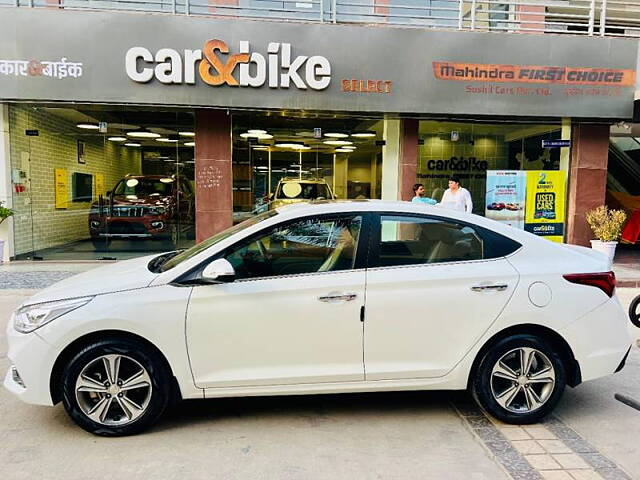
(187, 134)
(264, 136)
(166, 140)
(259, 134)
(261, 147)
(117, 139)
(337, 142)
(256, 131)
(88, 126)
(343, 150)
(130, 144)
(336, 135)
(189, 144)
(364, 134)
(143, 134)
(301, 147)
(295, 145)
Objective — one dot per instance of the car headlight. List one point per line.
(32, 317)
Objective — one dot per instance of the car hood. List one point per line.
(116, 277)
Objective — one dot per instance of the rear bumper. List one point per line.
(600, 340)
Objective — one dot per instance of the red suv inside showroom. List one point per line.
(143, 207)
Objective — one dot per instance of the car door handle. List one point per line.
(338, 297)
(482, 288)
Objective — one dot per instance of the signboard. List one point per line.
(556, 143)
(61, 187)
(236, 63)
(505, 198)
(545, 209)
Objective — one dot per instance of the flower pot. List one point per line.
(608, 248)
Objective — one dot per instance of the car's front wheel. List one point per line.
(519, 380)
(116, 387)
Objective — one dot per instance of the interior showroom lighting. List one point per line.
(167, 140)
(187, 134)
(336, 135)
(259, 134)
(294, 145)
(117, 139)
(363, 134)
(261, 147)
(88, 126)
(143, 134)
(189, 144)
(337, 142)
(343, 150)
(130, 144)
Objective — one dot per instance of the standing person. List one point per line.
(418, 192)
(456, 197)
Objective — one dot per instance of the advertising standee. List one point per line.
(545, 209)
(505, 199)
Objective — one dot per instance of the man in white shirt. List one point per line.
(457, 197)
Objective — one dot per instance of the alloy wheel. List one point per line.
(113, 390)
(522, 380)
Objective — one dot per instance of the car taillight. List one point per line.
(605, 281)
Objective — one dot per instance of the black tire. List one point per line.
(101, 244)
(131, 351)
(485, 392)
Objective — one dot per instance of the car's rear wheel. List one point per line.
(116, 387)
(519, 380)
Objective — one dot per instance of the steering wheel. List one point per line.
(634, 313)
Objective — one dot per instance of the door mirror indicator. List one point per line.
(218, 271)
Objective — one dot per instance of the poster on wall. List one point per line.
(545, 213)
(505, 197)
(61, 187)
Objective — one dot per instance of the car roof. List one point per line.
(317, 207)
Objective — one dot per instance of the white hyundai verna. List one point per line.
(324, 298)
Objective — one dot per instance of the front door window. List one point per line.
(306, 246)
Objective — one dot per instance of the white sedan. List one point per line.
(324, 298)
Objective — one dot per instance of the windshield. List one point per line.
(200, 247)
(307, 191)
(142, 187)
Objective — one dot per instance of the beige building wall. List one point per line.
(38, 224)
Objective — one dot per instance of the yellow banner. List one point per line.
(545, 207)
(61, 187)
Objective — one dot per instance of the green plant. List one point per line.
(4, 212)
(606, 224)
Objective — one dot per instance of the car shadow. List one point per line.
(311, 407)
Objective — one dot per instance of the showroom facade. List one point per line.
(195, 127)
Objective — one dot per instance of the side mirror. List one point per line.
(219, 271)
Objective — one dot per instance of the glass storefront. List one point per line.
(95, 182)
(279, 159)
(468, 150)
(108, 182)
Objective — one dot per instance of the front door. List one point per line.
(291, 316)
(431, 294)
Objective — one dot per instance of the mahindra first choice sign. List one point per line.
(278, 68)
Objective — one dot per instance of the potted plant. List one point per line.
(4, 214)
(606, 225)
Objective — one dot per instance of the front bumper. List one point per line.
(33, 359)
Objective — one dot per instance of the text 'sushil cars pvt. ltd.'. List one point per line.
(324, 298)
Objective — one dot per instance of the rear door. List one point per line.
(434, 286)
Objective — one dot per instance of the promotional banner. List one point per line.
(545, 209)
(505, 197)
(61, 187)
